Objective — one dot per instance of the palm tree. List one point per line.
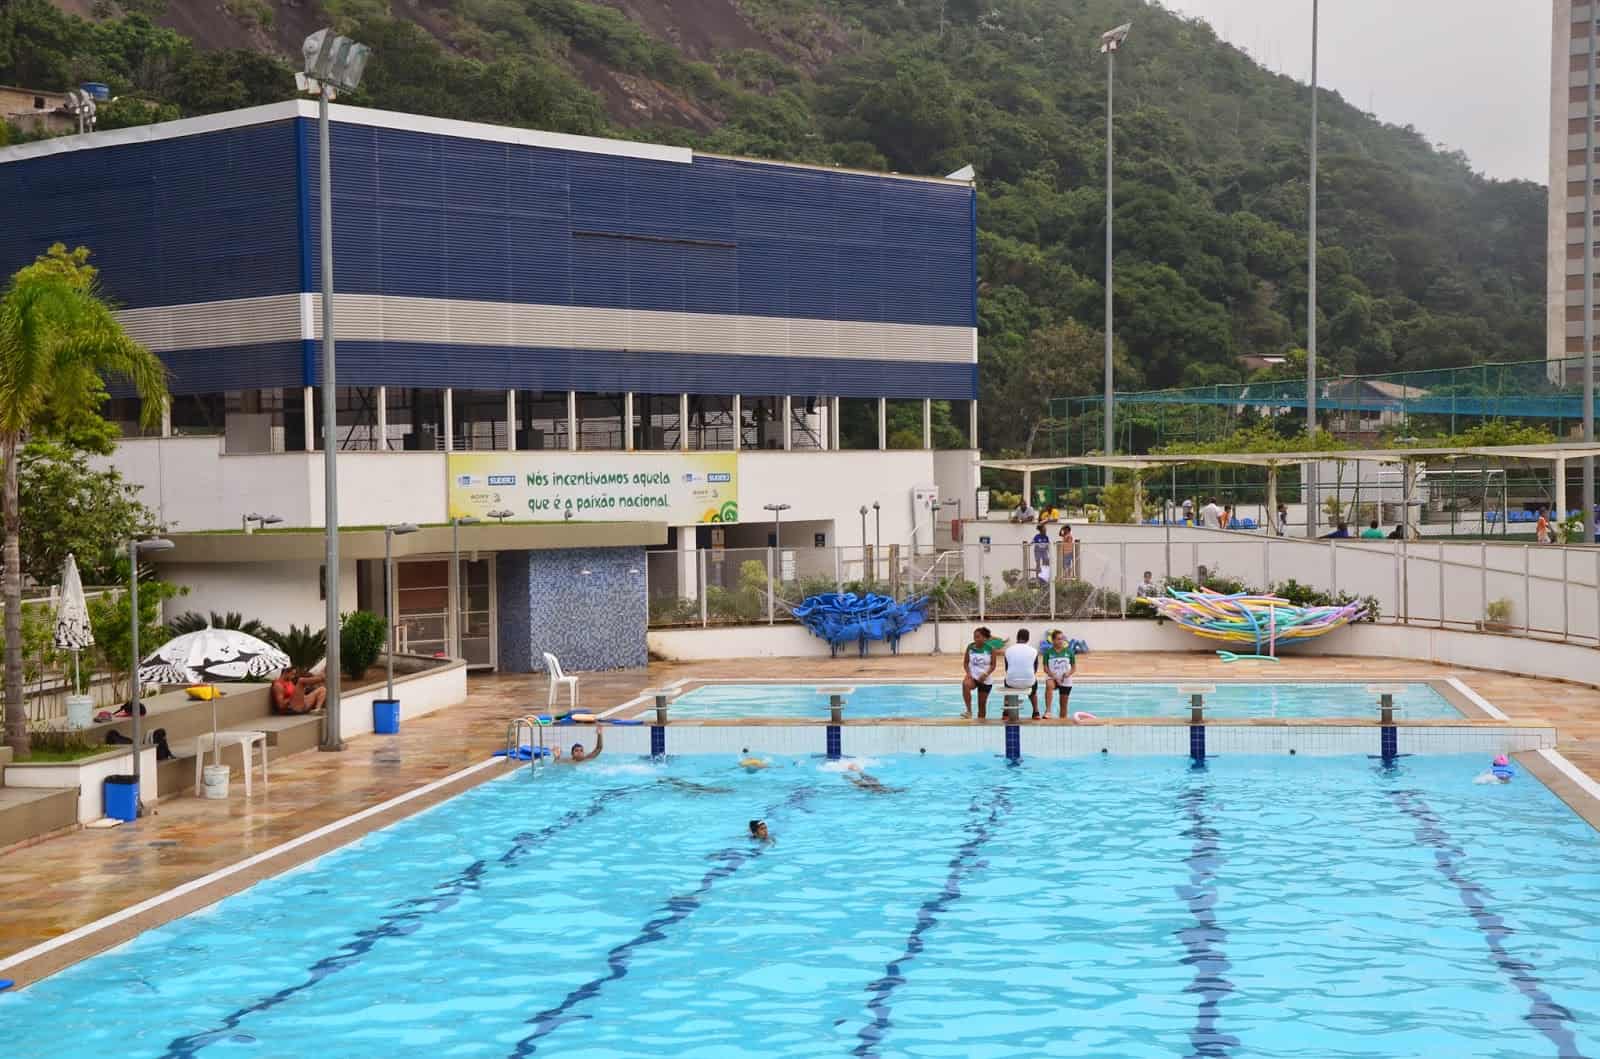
(58, 338)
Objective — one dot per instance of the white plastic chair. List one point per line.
(558, 678)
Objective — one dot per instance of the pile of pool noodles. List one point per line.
(844, 617)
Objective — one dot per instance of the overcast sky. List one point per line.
(1480, 85)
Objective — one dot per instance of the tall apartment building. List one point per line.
(1571, 35)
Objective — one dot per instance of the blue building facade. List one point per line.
(473, 256)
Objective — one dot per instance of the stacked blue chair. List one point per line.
(843, 617)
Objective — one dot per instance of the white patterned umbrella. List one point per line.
(72, 616)
(207, 656)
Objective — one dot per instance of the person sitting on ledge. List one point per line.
(293, 692)
(1339, 533)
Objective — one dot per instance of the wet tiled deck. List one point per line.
(68, 881)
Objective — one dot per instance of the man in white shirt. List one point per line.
(1211, 514)
(1022, 663)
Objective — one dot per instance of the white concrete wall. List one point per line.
(833, 486)
(419, 694)
(279, 594)
(88, 777)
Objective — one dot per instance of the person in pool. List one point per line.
(579, 755)
(977, 670)
(759, 832)
(1060, 663)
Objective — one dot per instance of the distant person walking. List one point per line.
(1281, 521)
(1041, 554)
(1188, 511)
(1227, 517)
(1211, 514)
(1541, 532)
(1068, 547)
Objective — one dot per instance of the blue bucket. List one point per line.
(386, 716)
(122, 797)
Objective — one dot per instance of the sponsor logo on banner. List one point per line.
(676, 488)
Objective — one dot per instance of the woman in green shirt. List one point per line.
(977, 670)
(1060, 663)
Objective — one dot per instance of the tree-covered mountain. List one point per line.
(1424, 263)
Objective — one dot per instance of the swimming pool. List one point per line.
(1417, 701)
(1121, 907)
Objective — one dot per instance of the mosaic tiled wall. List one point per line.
(586, 606)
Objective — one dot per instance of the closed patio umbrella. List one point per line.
(72, 616)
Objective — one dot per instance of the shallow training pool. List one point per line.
(1417, 701)
(1115, 907)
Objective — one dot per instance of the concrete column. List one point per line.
(572, 421)
(449, 421)
(1027, 487)
(927, 423)
(511, 421)
(833, 423)
(310, 428)
(627, 421)
(166, 418)
(788, 423)
(688, 563)
(383, 419)
(1561, 491)
(883, 423)
(683, 422)
(972, 423)
(738, 423)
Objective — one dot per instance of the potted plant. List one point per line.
(1496, 616)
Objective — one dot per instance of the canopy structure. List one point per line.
(1555, 455)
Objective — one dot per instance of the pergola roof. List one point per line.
(1538, 453)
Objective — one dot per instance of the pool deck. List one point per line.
(63, 883)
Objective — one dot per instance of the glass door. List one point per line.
(422, 597)
(476, 581)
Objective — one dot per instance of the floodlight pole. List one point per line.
(1310, 486)
(330, 433)
(1588, 293)
(1109, 44)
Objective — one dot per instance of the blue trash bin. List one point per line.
(122, 797)
(386, 716)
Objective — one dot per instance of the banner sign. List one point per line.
(678, 488)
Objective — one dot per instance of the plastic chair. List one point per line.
(558, 678)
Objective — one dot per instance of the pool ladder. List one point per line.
(535, 727)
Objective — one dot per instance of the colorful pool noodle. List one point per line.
(1262, 621)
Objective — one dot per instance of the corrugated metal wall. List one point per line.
(718, 276)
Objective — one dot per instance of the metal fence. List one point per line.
(1545, 591)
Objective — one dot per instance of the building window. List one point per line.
(711, 422)
(479, 420)
(541, 419)
(760, 422)
(600, 423)
(355, 418)
(951, 423)
(416, 419)
(807, 429)
(858, 423)
(123, 413)
(270, 420)
(198, 414)
(656, 421)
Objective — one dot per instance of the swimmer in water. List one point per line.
(579, 755)
(759, 832)
(866, 781)
(754, 764)
(690, 787)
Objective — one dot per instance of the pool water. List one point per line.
(1416, 701)
(1114, 907)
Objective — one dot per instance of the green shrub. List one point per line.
(361, 641)
(304, 645)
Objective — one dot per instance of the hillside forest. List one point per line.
(1424, 262)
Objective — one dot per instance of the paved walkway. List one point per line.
(65, 882)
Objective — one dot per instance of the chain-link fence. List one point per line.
(1546, 591)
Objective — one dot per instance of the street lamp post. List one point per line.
(1310, 487)
(455, 580)
(389, 534)
(877, 539)
(864, 543)
(777, 530)
(157, 544)
(331, 63)
(1110, 43)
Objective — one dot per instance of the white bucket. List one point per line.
(216, 781)
(80, 711)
